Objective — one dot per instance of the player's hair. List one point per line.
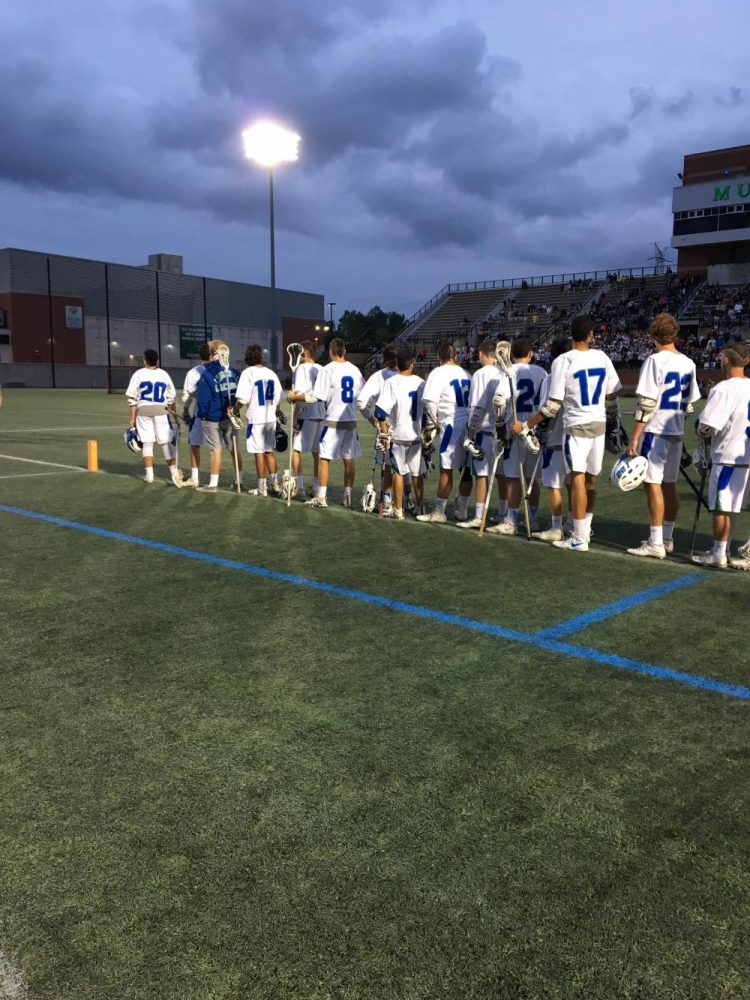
(559, 346)
(737, 353)
(253, 354)
(390, 355)
(204, 351)
(664, 328)
(337, 347)
(446, 352)
(214, 346)
(581, 327)
(151, 357)
(520, 347)
(488, 347)
(309, 348)
(405, 359)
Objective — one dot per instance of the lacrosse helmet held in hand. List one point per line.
(131, 439)
(282, 439)
(628, 472)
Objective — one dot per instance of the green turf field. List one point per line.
(425, 781)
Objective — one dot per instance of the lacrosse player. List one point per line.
(725, 423)
(489, 390)
(338, 384)
(554, 473)
(400, 403)
(151, 395)
(365, 403)
(527, 379)
(446, 407)
(193, 423)
(584, 382)
(215, 397)
(667, 388)
(259, 389)
(308, 420)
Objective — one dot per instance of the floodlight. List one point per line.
(269, 144)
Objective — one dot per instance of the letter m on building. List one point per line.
(722, 194)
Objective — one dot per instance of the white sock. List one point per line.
(261, 483)
(580, 529)
(720, 548)
(512, 514)
(656, 535)
(557, 522)
(322, 490)
(214, 480)
(347, 491)
(150, 474)
(274, 478)
(194, 475)
(479, 511)
(440, 505)
(668, 529)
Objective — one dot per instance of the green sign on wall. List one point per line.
(191, 337)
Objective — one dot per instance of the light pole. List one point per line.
(330, 306)
(268, 144)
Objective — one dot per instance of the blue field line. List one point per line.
(485, 628)
(617, 607)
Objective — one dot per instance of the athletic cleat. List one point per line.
(189, 483)
(504, 528)
(744, 550)
(550, 535)
(316, 502)
(669, 547)
(472, 522)
(311, 492)
(410, 505)
(434, 517)
(258, 492)
(710, 558)
(387, 508)
(206, 489)
(649, 549)
(147, 480)
(274, 490)
(743, 564)
(347, 501)
(393, 514)
(573, 543)
(460, 515)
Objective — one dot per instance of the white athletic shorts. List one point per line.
(726, 488)
(307, 438)
(553, 468)
(486, 441)
(154, 429)
(407, 458)
(583, 454)
(260, 438)
(512, 461)
(663, 458)
(338, 443)
(452, 452)
(195, 433)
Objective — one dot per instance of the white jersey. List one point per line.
(527, 388)
(260, 388)
(150, 390)
(190, 385)
(669, 378)
(373, 387)
(448, 387)
(727, 413)
(581, 380)
(303, 380)
(401, 401)
(338, 385)
(485, 383)
(555, 426)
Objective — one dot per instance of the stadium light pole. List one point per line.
(267, 145)
(330, 306)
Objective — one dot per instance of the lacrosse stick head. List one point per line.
(294, 353)
(369, 499)
(222, 355)
(502, 355)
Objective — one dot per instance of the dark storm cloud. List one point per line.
(641, 100)
(676, 107)
(734, 98)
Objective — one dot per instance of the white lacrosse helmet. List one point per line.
(628, 472)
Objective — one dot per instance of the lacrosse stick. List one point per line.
(535, 473)
(222, 355)
(704, 467)
(502, 354)
(294, 353)
(369, 496)
(499, 448)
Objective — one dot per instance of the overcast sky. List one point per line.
(441, 142)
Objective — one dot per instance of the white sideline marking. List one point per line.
(12, 984)
(59, 430)
(38, 461)
(35, 475)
